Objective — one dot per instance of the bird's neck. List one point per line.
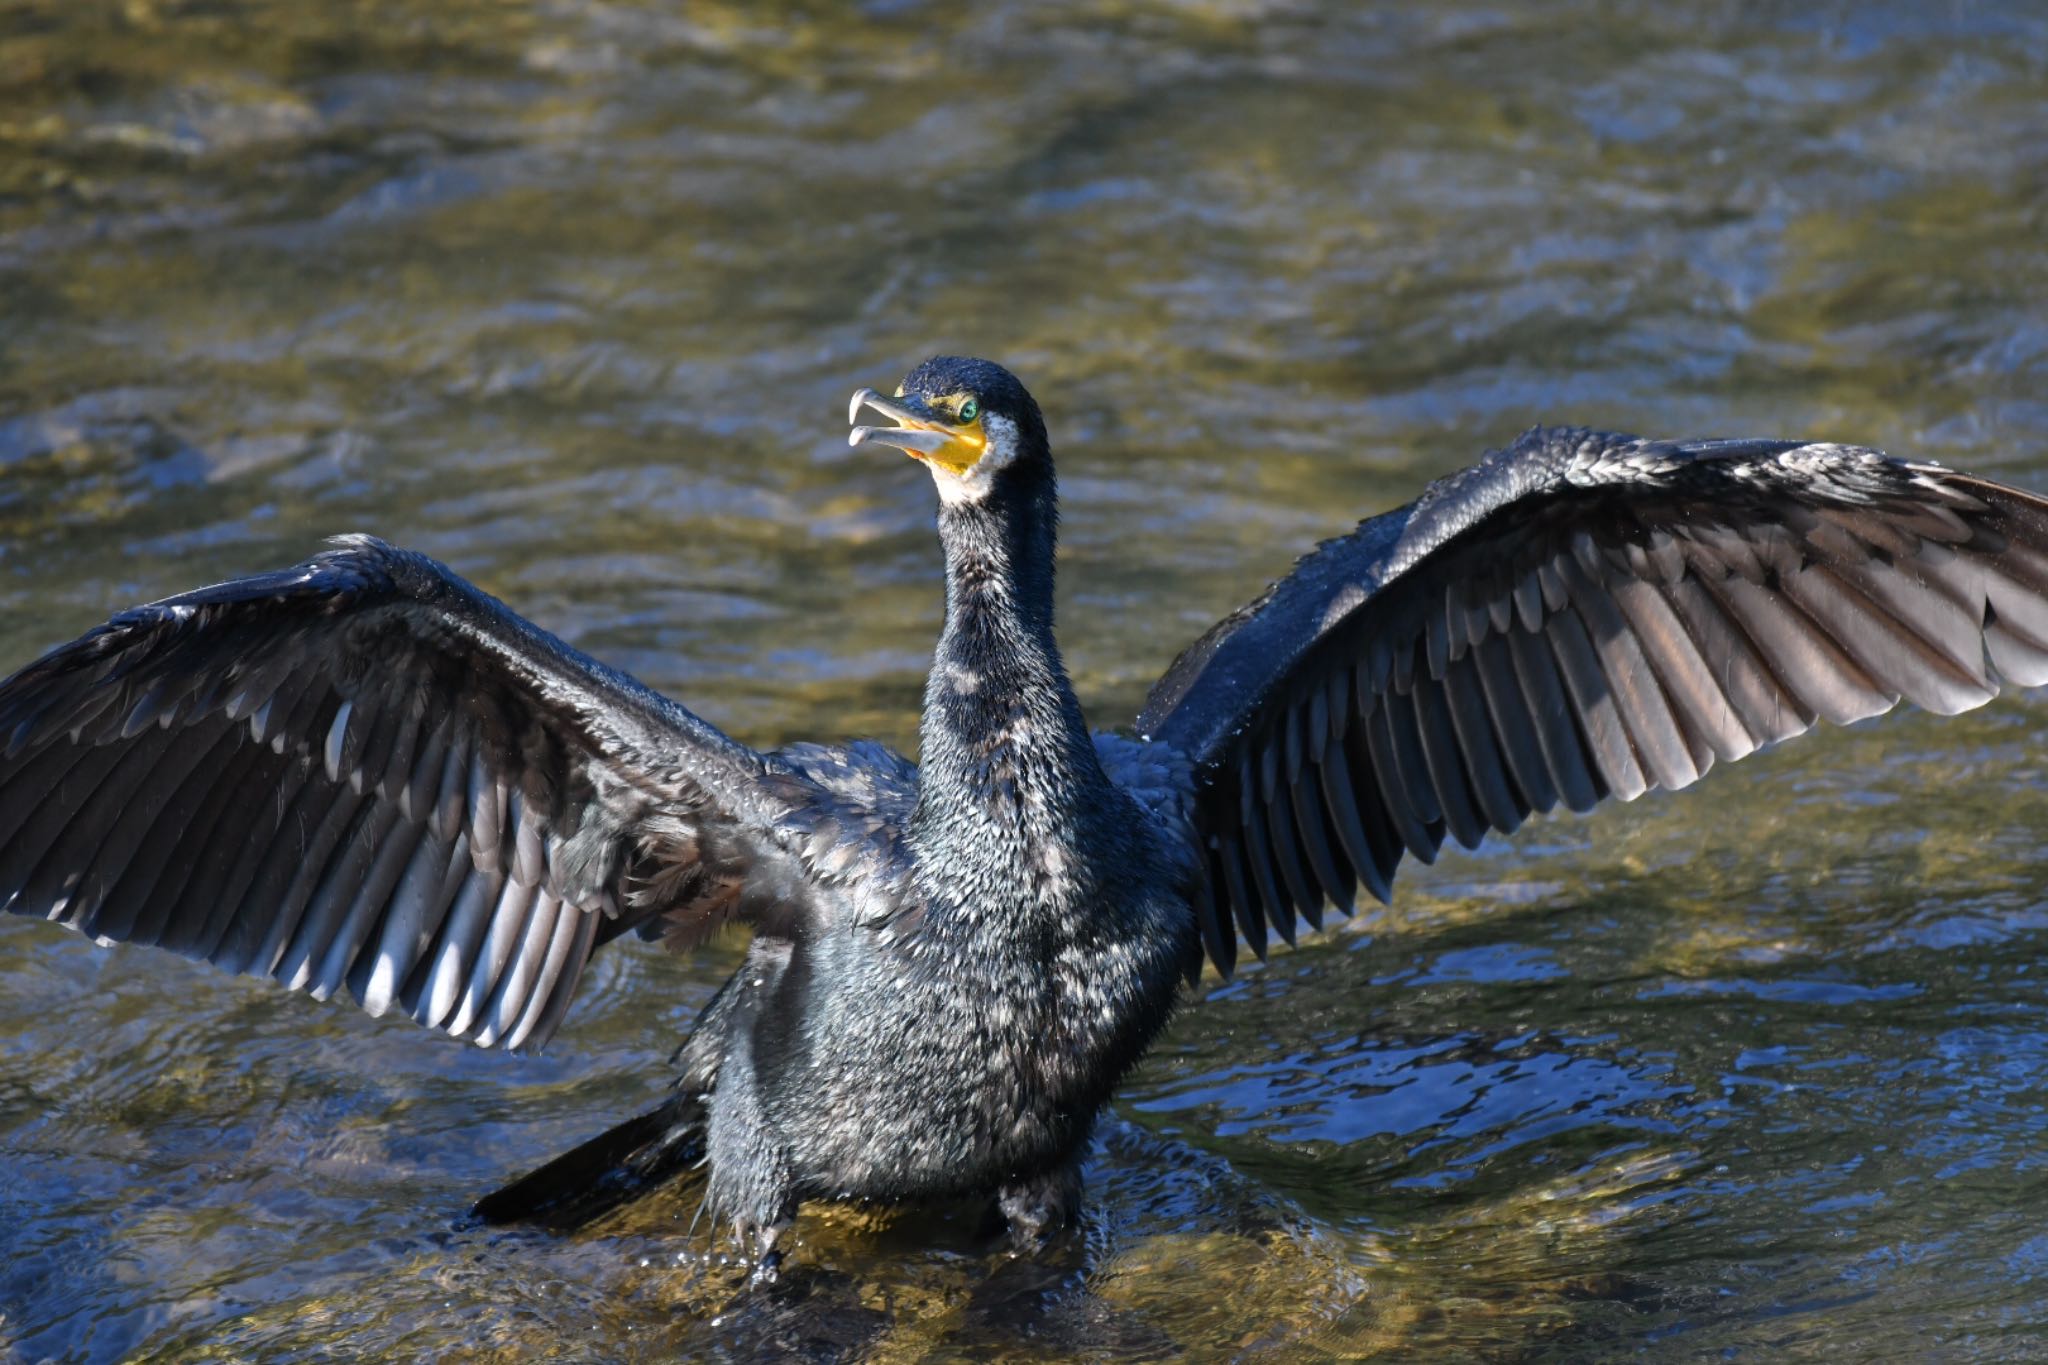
(1006, 761)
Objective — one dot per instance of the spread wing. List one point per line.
(364, 771)
(1578, 616)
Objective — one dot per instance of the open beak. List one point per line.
(926, 433)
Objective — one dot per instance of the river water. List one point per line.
(571, 295)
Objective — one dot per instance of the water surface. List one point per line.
(571, 294)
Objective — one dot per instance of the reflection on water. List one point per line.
(570, 295)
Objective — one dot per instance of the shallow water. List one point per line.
(571, 295)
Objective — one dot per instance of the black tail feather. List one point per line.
(615, 1167)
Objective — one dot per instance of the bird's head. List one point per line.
(969, 421)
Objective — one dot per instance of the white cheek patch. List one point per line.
(998, 451)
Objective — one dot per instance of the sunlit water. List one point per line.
(571, 294)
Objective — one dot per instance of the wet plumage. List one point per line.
(364, 774)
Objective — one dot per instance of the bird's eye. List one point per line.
(969, 409)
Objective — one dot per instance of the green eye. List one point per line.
(969, 409)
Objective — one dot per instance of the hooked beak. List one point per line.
(926, 433)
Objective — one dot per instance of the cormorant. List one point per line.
(363, 772)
